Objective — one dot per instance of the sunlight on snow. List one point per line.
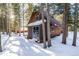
(44, 50)
(35, 49)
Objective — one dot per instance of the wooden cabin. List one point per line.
(35, 27)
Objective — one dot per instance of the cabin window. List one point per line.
(35, 29)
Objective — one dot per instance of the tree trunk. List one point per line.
(7, 18)
(9, 21)
(48, 26)
(0, 44)
(65, 23)
(2, 23)
(5, 23)
(43, 27)
(23, 18)
(19, 22)
(67, 19)
(75, 25)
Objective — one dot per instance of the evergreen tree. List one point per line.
(48, 25)
(43, 26)
(65, 23)
(0, 44)
(75, 24)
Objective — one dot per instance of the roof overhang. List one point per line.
(39, 22)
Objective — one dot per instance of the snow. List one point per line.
(20, 46)
(36, 23)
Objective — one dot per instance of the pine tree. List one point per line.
(19, 21)
(8, 19)
(75, 24)
(0, 44)
(65, 23)
(23, 19)
(43, 26)
(48, 25)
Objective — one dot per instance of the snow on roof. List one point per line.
(39, 22)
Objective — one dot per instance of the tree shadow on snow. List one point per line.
(29, 49)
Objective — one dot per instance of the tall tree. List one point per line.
(68, 15)
(65, 18)
(22, 16)
(23, 19)
(19, 19)
(75, 24)
(8, 18)
(2, 20)
(0, 43)
(29, 12)
(2, 7)
(16, 21)
(48, 25)
(43, 26)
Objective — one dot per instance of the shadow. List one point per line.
(20, 46)
(26, 48)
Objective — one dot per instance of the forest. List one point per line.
(42, 21)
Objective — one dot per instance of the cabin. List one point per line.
(35, 27)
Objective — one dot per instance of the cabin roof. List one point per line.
(33, 21)
(33, 16)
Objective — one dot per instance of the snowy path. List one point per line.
(19, 46)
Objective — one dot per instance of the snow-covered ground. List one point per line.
(20, 46)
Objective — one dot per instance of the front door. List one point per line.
(36, 33)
